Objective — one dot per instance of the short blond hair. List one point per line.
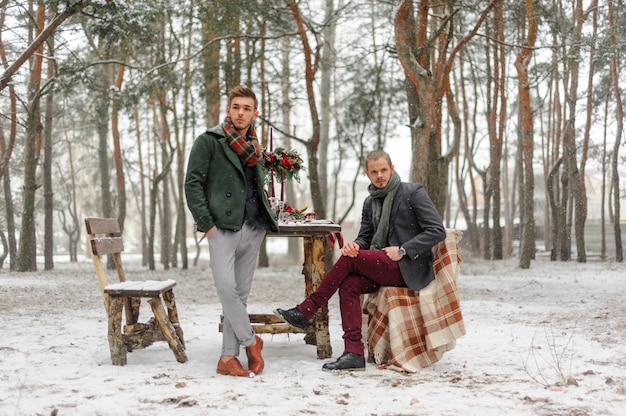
(377, 154)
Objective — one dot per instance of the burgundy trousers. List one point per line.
(353, 276)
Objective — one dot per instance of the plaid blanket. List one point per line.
(409, 330)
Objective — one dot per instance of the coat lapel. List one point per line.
(394, 209)
(231, 155)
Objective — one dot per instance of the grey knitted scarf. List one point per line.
(381, 210)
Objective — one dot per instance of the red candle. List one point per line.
(271, 169)
(282, 185)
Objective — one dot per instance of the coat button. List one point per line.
(229, 213)
(229, 194)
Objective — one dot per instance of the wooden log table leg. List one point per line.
(314, 271)
(172, 313)
(116, 340)
(168, 329)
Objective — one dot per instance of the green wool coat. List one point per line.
(215, 185)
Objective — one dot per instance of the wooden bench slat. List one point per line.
(106, 245)
(266, 324)
(263, 318)
(148, 288)
(270, 329)
(97, 225)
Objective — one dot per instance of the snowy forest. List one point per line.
(512, 113)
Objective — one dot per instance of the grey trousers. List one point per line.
(233, 261)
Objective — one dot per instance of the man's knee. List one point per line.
(351, 286)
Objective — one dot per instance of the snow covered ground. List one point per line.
(545, 341)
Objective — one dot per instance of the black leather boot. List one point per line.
(347, 362)
(293, 317)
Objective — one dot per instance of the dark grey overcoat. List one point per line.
(415, 225)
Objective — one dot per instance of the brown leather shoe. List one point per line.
(232, 367)
(255, 361)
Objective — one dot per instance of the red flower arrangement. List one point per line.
(285, 163)
(291, 213)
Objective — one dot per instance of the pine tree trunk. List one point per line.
(47, 166)
(27, 252)
(527, 243)
(619, 117)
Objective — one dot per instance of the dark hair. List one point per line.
(377, 154)
(241, 91)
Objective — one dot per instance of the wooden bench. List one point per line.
(266, 324)
(124, 298)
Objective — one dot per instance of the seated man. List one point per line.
(399, 227)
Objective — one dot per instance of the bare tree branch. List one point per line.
(39, 40)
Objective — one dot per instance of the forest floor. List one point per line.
(550, 340)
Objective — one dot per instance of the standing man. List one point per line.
(399, 227)
(224, 189)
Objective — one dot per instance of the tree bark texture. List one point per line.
(619, 116)
(47, 162)
(27, 255)
(527, 243)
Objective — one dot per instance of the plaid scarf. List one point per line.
(247, 148)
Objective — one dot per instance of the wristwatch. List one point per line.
(402, 251)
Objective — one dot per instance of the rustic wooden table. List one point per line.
(314, 236)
